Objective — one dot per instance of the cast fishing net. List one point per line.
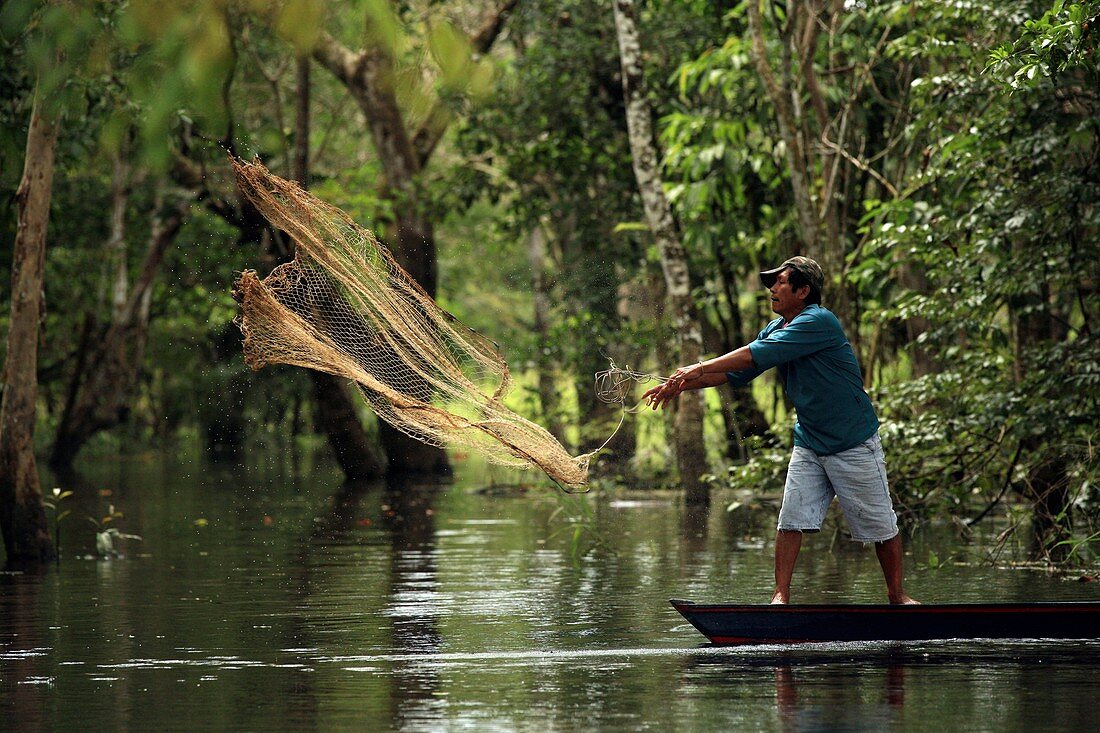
(344, 306)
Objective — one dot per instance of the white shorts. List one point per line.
(856, 477)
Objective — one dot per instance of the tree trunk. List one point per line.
(368, 76)
(22, 514)
(353, 448)
(300, 169)
(335, 414)
(783, 98)
(690, 450)
(119, 278)
(549, 399)
(101, 393)
(814, 137)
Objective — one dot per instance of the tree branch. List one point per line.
(789, 127)
(337, 58)
(439, 117)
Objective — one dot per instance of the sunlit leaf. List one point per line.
(299, 23)
(452, 52)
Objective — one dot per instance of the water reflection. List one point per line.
(400, 513)
(297, 602)
(694, 525)
(874, 703)
(1014, 685)
(27, 665)
(408, 510)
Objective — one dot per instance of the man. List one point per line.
(836, 445)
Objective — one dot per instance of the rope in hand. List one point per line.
(613, 387)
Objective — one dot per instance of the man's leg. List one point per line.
(859, 477)
(806, 497)
(890, 558)
(787, 545)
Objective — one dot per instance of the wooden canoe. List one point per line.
(731, 623)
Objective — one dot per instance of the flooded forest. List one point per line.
(573, 200)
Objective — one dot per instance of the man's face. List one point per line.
(786, 301)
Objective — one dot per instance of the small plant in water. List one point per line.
(53, 502)
(934, 561)
(106, 535)
(580, 522)
(1078, 549)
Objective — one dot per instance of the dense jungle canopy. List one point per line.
(941, 160)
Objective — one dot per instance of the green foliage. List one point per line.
(1003, 224)
(969, 222)
(1064, 38)
(987, 253)
(552, 152)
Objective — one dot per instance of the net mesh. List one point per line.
(344, 306)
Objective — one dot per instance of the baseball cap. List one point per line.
(804, 265)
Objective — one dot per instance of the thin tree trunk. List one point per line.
(814, 139)
(690, 450)
(353, 448)
(784, 100)
(115, 291)
(368, 76)
(300, 169)
(22, 514)
(116, 243)
(549, 398)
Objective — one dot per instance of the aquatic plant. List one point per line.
(575, 511)
(106, 535)
(53, 503)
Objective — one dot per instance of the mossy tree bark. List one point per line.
(688, 438)
(22, 513)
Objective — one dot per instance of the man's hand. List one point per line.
(663, 394)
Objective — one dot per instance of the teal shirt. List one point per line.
(821, 377)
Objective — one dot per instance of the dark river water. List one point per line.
(255, 600)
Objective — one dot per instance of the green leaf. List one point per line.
(452, 51)
(299, 23)
(630, 226)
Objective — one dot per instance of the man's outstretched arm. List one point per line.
(709, 373)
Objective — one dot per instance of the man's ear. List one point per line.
(803, 295)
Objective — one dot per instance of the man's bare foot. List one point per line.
(780, 598)
(904, 600)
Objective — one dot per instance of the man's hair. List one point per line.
(798, 280)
